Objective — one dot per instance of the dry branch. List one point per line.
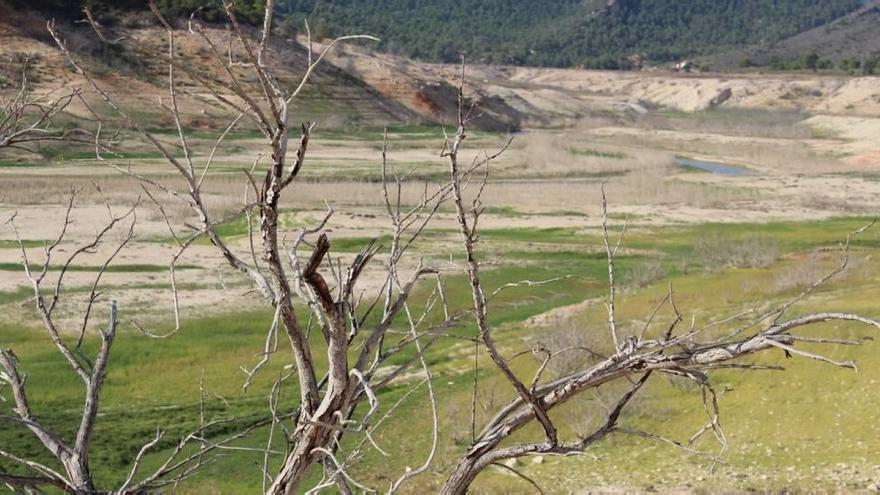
(678, 354)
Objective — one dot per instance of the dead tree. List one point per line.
(27, 120)
(687, 353)
(355, 351)
(190, 452)
(73, 457)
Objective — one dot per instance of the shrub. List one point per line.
(579, 348)
(719, 252)
(801, 274)
(645, 273)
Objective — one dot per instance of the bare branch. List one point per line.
(137, 460)
(468, 236)
(612, 253)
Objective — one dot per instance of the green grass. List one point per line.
(16, 164)
(692, 169)
(614, 155)
(824, 133)
(357, 244)
(565, 213)
(504, 211)
(398, 132)
(14, 296)
(238, 226)
(152, 384)
(739, 115)
(817, 413)
(786, 430)
(28, 243)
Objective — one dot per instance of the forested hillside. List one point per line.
(591, 33)
(849, 44)
(564, 33)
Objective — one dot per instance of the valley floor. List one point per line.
(727, 242)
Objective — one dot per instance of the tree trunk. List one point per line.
(314, 431)
(77, 468)
(298, 461)
(460, 480)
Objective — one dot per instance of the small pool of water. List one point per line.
(712, 167)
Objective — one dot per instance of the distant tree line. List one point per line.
(863, 65)
(810, 60)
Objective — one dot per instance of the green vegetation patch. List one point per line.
(17, 164)
(28, 243)
(614, 155)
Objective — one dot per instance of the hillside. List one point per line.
(337, 97)
(851, 37)
(134, 70)
(363, 87)
(566, 33)
(606, 34)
